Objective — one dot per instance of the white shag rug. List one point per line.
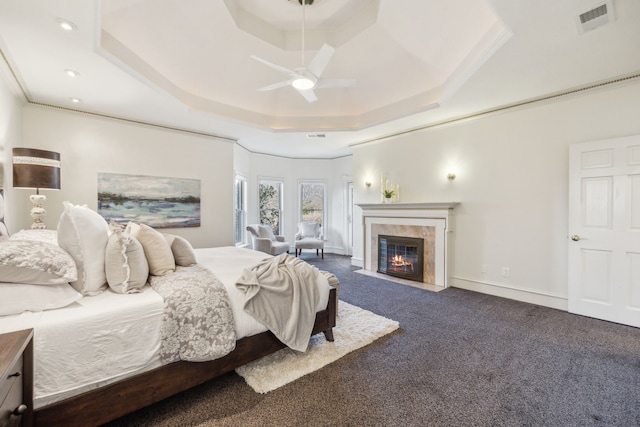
(355, 328)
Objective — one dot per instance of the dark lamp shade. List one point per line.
(33, 168)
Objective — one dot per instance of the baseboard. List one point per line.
(497, 289)
(357, 262)
(334, 250)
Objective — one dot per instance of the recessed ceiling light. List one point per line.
(72, 73)
(75, 100)
(66, 25)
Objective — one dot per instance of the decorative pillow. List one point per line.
(309, 229)
(49, 236)
(182, 250)
(3, 228)
(39, 263)
(132, 228)
(266, 232)
(35, 297)
(84, 234)
(126, 266)
(156, 248)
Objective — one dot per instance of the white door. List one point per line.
(604, 228)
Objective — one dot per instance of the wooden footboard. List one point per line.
(112, 401)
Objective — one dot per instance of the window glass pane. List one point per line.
(240, 218)
(270, 201)
(312, 201)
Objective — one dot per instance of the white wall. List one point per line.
(90, 144)
(512, 182)
(334, 172)
(11, 101)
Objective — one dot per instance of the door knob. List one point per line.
(575, 237)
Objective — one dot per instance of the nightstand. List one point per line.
(16, 380)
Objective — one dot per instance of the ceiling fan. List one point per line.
(306, 79)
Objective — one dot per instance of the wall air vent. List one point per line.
(316, 135)
(596, 17)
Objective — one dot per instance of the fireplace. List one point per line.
(431, 222)
(401, 257)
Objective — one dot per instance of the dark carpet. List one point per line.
(460, 358)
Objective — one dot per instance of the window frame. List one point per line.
(280, 184)
(303, 182)
(240, 210)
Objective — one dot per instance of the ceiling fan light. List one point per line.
(303, 83)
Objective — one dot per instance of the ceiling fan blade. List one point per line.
(275, 86)
(308, 94)
(320, 61)
(324, 83)
(272, 65)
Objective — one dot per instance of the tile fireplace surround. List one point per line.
(429, 221)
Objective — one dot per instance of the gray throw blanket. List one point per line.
(197, 322)
(282, 294)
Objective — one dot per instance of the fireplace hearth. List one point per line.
(401, 257)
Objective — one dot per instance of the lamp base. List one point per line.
(38, 213)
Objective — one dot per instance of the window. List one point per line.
(270, 201)
(312, 201)
(240, 202)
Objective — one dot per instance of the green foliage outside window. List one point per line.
(312, 202)
(269, 200)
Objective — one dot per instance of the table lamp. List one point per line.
(39, 169)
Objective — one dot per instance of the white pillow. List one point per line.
(182, 250)
(126, 266)
(266, 232)
(49, 236)
(156, 248)
(309, 229)
(84, 234)
(18, 297)
(40, 263)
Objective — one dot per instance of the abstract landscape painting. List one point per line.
(159, 202)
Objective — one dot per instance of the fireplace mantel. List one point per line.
(411, 205)
(435, 216)
(410, 210)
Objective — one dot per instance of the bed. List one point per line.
(104, 355)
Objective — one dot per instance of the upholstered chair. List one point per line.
(309, 236)
(265, 241)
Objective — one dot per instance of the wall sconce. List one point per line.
(367, 183)
(451, 176)
(33, 168)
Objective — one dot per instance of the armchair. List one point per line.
(264, 240)
(309, 236)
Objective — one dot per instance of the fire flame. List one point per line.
(399, 261)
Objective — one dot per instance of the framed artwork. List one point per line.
(158, 202)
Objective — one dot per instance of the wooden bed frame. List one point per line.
(112, 401)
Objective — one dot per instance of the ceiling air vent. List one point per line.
(316, 135)
(596, 17)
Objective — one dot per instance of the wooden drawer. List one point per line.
(14, 374)
(16, 379)
(11, 400)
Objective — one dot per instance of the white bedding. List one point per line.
(69, 342)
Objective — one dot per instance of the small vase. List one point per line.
(388, 199)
